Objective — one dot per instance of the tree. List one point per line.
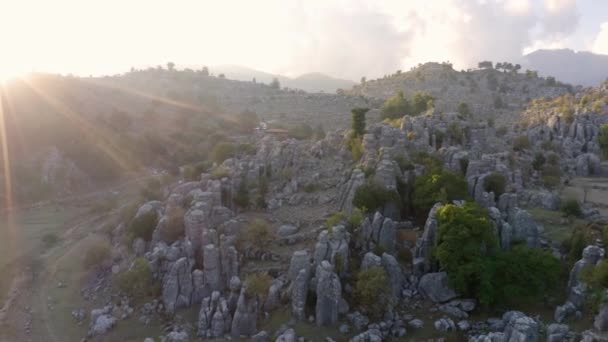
(170, 66)
(205, 71)
(257, 285)
(372, 196)
(363, 80)
(395, 107)
(463, 109)
(539, 161)
(516, 68)
(222, 151)
(241, 199)
(138, 282)
(484, 65)
(603, 140)
(221, 76)
(499, 66)
(571, 208)
(372, 292)
(275, 84)
(551, 82)
(521, 143)
(465, 238)
(438, 186)
(358, 118)
(496, 183)
(421, 101)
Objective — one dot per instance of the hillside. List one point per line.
(489, 93)
(311, 82)
(584, 68)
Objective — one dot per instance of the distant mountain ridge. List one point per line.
(578, 68)
(313, 82)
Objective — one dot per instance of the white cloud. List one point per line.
(600, 45)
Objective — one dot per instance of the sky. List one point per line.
(343, 38)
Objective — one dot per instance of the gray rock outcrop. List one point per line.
(329, 294)
(435, 286)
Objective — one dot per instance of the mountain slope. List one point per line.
(310, 82)
(584, 68)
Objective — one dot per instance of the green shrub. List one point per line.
(463, 109)
(137, 282)
(356, 218)
(521, 143)
(597, 276)
(571, 208)
(49, 240)
(301, 132)
(222, 151)
(395, 107)
(219, 173)
(455, 132)
(551, 176)
(96, 254)
(257, 285)
(404, 164)
(241, 198)
(602, 140)
(372, 196)
(496, 183)
(539, 161)
(152, 191)
(143, 226)
(501, 131)
(335, 219)
(355, 145)
(579, 239)
(553, 159)
(258, 234)
(372, 292)
(438, 186)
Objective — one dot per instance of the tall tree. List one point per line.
(358, 115)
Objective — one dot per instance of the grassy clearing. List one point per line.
(556, 227)
(27, 234)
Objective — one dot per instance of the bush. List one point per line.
(222, 151)
(463, 109)
(496, 183)
(143, 226)
(467, 249)
(602, 140)
(152, 191)
(438, 186)
(551, 176)
(257, 285)
(301, 132)
(174, 225)
(521, 143)
(501, 131)
(258, 233)
(372, 292)
(539, 161)
(96, 254)
(241, 198)
(395, 107)
(137, 282)
(335, 219)
(373, 196)
(597, 277)
(455, 132)
(571, 208)
(355, 145)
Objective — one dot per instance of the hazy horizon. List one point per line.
(343, 39)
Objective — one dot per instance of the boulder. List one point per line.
(601, 320)
(286, 230)
(177, 287)
(520, 327)
(299, 260)
(214, 316)
(395, 276)
(244, 321)
(299, 294)
(329, 294)
(435, 286)
(370, 260)
(101, 324)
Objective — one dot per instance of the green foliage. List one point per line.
(467, 249)
(438, 186)
(258, 234)
(501, 131)
(257, 285)
(335, 219)
(222, 151)
(395, 107)
(431, 162)
(404, 164)
(96, 254)
(372, 196)
(275, 84)
(355, 145)
(539, 161)
(466, 236)
(524, 273)
(597, 276)
(356, 218)
(137, 282)
(372, 292)
(579, 239)
(421, 101)
(152, 191)
(550, 82)
(455, 132)
(602, 140)
(241, 198)
(301, 131)
(358, 121)
(247, 121)
(463, 109)
(571, 208)
(498, 103)
(521, 143)
(496, 183)
(143, 226)
(319, 132)
(551, 175)
(464, 165)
